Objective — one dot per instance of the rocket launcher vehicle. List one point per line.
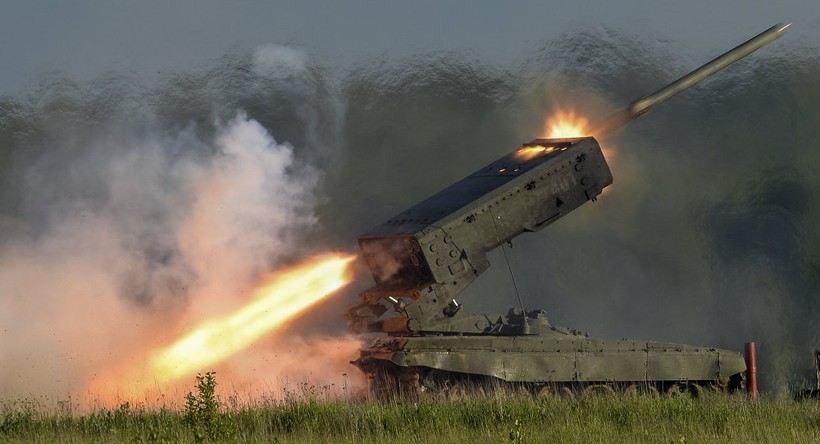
(425, 257)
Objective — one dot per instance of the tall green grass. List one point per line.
(501, 418)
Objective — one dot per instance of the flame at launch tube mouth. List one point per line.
(562, 124)
(565, 123)
(281, 297)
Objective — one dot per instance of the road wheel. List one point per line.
(677, 390)
(383, 386)
(632, 391)
(409, 386)
(456, 390)
(599, 389)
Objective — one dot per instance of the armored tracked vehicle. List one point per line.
(425, 257)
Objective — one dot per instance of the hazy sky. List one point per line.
(85, 38)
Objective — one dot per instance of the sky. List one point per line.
(88, 37)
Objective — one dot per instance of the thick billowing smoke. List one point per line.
(125, 209)
(119, 235)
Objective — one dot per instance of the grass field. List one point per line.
(592, 418)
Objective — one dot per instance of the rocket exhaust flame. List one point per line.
(282, 296)
(562, 124)
(566, 124)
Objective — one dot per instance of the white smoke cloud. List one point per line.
(249, 204)
(135, 242)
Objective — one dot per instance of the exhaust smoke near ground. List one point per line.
(118, 238)
(281, 296)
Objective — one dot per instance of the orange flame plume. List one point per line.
(563, 124)
(566, 124)
(278, 299)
